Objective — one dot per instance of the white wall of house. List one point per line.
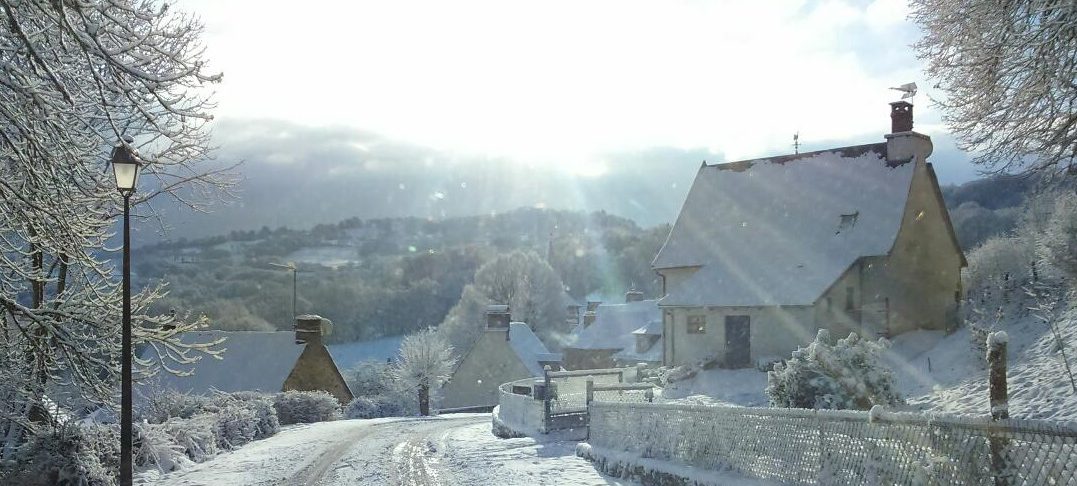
(774, 331)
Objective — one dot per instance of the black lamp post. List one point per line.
(125, 168)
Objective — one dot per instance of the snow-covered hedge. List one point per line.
(845, 375)
(197, 436)
(304, 407)
(72, 454)
(154, 447)
(375, 406)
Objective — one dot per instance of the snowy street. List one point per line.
(448, 450)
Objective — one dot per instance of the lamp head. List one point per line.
(126, 167)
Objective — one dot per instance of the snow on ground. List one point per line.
(472, 455)
(1039, 387)
(717, 386)
(451, 449)
(274, 460)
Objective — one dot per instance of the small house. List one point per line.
(766, 252)
(506, 351)
(268, 362)
(613, 335)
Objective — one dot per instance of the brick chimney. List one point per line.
(497, 317)
(633, 296)
(900, 117)
(309, 329)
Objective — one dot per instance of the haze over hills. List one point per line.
(299, 176)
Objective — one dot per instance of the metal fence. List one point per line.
(570, 387)
(841, 447)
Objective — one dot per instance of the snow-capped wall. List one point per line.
(522, 414)
(838, 447)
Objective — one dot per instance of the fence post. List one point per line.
(546, 400)
(590, 398)
(649, 395)
(999, 402)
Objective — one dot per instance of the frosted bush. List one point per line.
(304, 407)
(154, 447)
(197, 436)
(163, 404)
(266, 422)
(72, 454)
(375, 406)
(1058, 244)
(370, 378)
(844, 375)
(236, 425)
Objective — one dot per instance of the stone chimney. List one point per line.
(309, 329)
(589, 318)
(904, 145)
(633, 296)
(900, 117)
(497, 317)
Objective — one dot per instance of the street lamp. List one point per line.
(125, 168)
(290, 266)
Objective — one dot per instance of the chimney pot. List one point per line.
(900, 117)
(308, 329)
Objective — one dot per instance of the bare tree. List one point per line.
(425, 362)
(525, 282)
(1009, 72)
(76, 77)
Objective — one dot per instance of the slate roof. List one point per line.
(529, 348)
(253, 361)
(781, 230)
(615, 324)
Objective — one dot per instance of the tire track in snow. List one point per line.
(313, 472)
(415, 459)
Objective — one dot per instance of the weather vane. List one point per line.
(908, 91)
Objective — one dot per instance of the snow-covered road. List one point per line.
(447, 450)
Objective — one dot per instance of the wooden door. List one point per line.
(738, 341)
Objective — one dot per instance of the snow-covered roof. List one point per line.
(252, 361)
(653, 328)
(529, 348)
(615, 324)
(653, 353)
(349, 355)
(781, 230)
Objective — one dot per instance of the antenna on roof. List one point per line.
(908, 91)
(796, 142)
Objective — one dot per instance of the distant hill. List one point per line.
(987, 207)
(389, 276)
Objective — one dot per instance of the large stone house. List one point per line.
(766, 252)
(506, 351)
(268, 362)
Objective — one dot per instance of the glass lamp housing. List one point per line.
(125, 168)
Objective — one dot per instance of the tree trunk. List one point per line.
(424, 400)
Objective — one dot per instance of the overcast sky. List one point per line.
(565, 84)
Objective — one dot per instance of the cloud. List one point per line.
(566, 82)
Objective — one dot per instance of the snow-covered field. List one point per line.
(450, 450)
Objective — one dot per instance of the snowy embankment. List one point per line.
(956, 383)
